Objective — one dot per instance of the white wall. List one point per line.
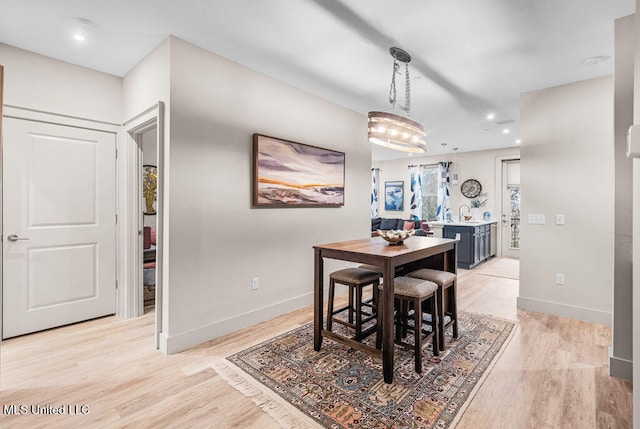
(148, 82)
(620, 363)
(478, 165)
(41, 83)
(566, 168)
(217, 241)
(636, 223)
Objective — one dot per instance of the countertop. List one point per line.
(464, 223)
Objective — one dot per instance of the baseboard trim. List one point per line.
(621, 368)
(563, 310)
(180, 342)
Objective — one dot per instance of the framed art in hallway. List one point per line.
(394, 195)
(149, 188)
(290, 174)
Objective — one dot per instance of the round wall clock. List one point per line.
(471, 188)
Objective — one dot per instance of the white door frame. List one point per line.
(498, 193)
(1, 187)
(134, 128)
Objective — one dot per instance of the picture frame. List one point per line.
(394, 195)
(149, 188)
(291, 174)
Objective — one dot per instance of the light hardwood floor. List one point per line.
(553, 373)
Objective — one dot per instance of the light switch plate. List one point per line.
(536, 219)
(559, 219)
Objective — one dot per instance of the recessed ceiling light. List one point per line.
(491, 116)
(81, 29)
(506, 131)
(518, 141)
(595, 60)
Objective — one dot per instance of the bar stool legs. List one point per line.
(447, 283)
(356, 280)
(410, 296)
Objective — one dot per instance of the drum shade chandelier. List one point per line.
(395, 131)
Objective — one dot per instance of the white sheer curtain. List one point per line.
(444, 193)
(416, 193)
(374, 192)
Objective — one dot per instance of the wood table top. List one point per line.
(379, 247)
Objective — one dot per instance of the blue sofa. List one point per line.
(385, 224)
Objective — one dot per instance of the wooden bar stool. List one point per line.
(409, 295)
(447, 282)
(356, 279)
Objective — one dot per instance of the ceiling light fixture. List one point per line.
(490, 116)
(443, 173)
(591, 61)
(455, 167)
(81, 29)
(506, 131)
(395, 131)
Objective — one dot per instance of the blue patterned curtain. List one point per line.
(416, 193)
(374, 192)
(444, 202)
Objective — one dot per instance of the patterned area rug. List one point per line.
(339, 387)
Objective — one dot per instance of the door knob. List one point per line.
(14, 237)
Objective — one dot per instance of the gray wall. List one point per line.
(636, 224)
(621, 361)
(217, 242)
(567, 156)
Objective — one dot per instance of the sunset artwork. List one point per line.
(296, 175)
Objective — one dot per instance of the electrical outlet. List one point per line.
(559, 278)
(254, 283)
(559, 219)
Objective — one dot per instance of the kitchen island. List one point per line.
(477, 240)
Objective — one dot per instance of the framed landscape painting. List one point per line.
(289, 174)
(394, 195)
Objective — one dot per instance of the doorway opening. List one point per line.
(144, 216)
(510, 208)
(149, 172)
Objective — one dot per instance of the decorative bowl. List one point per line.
(467, 218)
(396, 236)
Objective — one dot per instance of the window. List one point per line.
(429, 192)
(514, 209)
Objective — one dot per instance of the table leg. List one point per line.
(450, 262)
(318, 289)
(387, 322)
(441, 313)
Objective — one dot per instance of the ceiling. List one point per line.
(470, 57)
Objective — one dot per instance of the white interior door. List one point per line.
(59, 225)
(510, 209)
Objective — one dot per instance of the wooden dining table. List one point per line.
(415, 252)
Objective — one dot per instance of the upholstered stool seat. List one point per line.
(356, 279)
(447, 282)
(412, 293)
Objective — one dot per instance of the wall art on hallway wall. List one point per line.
(290, 174)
